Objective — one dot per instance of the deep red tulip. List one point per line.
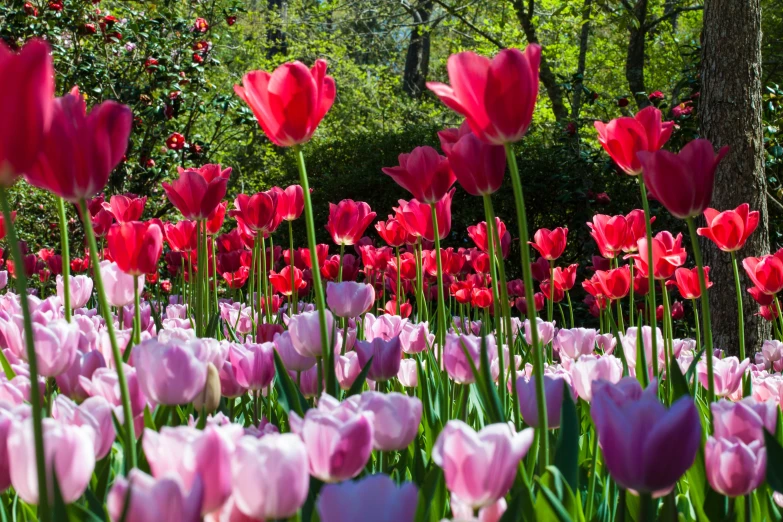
(478, 166)
(136, 246)
(540, 269)
(730, 230)
(175, 141)
(290, 203)
(26, 112)
(330, 270)
(600, 263)
(668, 254)
(392, 232)
(181, 237)
(229, 242)
(321, 250)
(81, 150)
(216, 218)
(408, 264)
(547, 291)
(766, 272)
(636, 229)
(538, 299)
(2, 223)
(623, 138)
(198, 192)
(550, 243)
(479, 234)
(481, 297)
(760, 297)
(498, 96)
(417, 217)
(424, 173)
(516, 288)
(348, 220)
(237, 279)
(258, 212)
(284, 283)
(682, 182)
(127, 207)
(609, 233)
(289, 103)
(686, 280)
(565, 278)
(641, 284)
(613, 284)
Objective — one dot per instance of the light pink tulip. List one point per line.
(95, 412)
(590, 368)
(375, 498)
(575, 342)
(169, 373)
(735, 468)
(55, 346)
(81, 290)
(308, 381)
(288, 354)
(396, 419)
(480, 467)
(105, 383)
(349, 298)
(546, 331)
(69, 454)
(386, 357)
(727, 374)
(305, 330)
(118, 285)
(491, 513)
(772, 350)
(455, 361)
(409, 373)
(606, 342)
(629, 346)
(347, 369)
(84, 365)
(385, 326)
(416, 337)
(254, 364)
(229, 512)
(269, 476)
(154, 499)
(6, 422)
(229, 386)
(744, 419)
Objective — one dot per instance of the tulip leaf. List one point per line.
(521, 506)
(641, 357)
(558, 502)
(83, 514)
(697, 485)
(567, 456)
(774, 462)
(96, 510)
(290, 397)
(432, 497)
(358, 385)
(679, 386)
(212, 326)
(496, 408)
(548, 507)
(59, 509)
(716, 506)
(103, 475)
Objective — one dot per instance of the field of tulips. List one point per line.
(218, 368)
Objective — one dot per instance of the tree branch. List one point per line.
(465, 21)
(672, 14)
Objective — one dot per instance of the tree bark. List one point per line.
(417, 59)
(634, 58)
(275, 34)
(731, 115)
(576, 104)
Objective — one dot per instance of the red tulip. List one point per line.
(408, 266)
(348, 220)
(391, 308)
(127, 207)
(290, 203)
(424, 173)
(480, 262)
(550, 243)
(498, 96)
(216, 218)
(609, 233)
(392, 232)
(623, 138)
(181, 237)
(289, 103)
(417, 217)
(636, 229)
(565, 278)
(479, 234)
(258, 212)
(81, 150)
(2, 223)
(766, 272)
(136, 246)
(321, 250)
(237, 279)
(547, 291)
(284, 283)
(481, 297)
(682, 182)
(769, 313)
(451, 261)
(198, 192)
(668, 254)
(687, 282)
(730, 230)
(26, 112)
(479, 167)
(613, 284)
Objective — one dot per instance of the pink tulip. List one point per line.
(6, 421)
(546, 331)
(772, 350)
(348, 220)
(161, 499)
(384, 326)
(229, 386)
(55, 346)
(229, 512)
(575, 342)
(269, 476)
(424, 173)
(478, 166)
(416, 337)
(104, 383)
(3, 279)
(254, 364)
(349, 299)
(409, 373)
(744, 420)
(498, 96)
(118, 285)
(727, 374)
(734, 467)
(27, 111)
(169, 373)
(480, 467)
(338, 439)
(305, 330)
(590, 368)
(553, 389)
(455, 360)
(81, 290)
(347, 369)
(192, 455)
(396, 419)
(375, 497)
(491, 513)
(95, 412)
(288, 354)
(69, 454)
(629, 341)
(386, 356)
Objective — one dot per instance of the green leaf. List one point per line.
(550, 508)
(432, 497)
(290, 396)
(774, 462)
(212, 326)
(679, 384)
(567, 456)
(358, 385)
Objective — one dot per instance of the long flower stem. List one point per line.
(650, 276)
(705, 309)
(399, 281)
(318, 290)
(136, 315)
(698, 326)
(215, 274)
(493, 259)
(66, 259)
(130, 436)
(264, 282)
(631, 304)
(441, 301)
(527, 277)
(295, 291)
(740, 313)
(35, 391)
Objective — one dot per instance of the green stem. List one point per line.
(441, 303)
(490, 220)
(571, 308)
(35, 391)
(130, 437)
(66, 259)
(399, 281)
(551, 304)
(593, 470)
(650, 276)
(631, 304)
(698, 326)
(740, 313)
(527, 276)
(295, 291)
(136, 316)
(215, 275)
(264, 282)
(320, 301)
(340, 269)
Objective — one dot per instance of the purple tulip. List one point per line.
(396, 419)
(375, 498)
(169, 373)
(154, 499)
(349, 298)
(553, 388)
(254, 364)
(386, 356)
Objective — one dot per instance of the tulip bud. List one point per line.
(209, 398)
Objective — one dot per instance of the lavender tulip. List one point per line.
(375, 498)
(386, 356)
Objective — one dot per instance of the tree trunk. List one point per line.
(730, 108)
(417, 59)
(275, 34)
(576, 104)
(634, 58)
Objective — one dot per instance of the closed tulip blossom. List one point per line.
(575, 342)
(347, 369)
(416, 337)
(668, 254)
(553, 389)
(80, 150)
(591, 368)
(424, 173)
(546, 331)
(258, 212)
(629, 342)
(348, 220)
(497, 96)
(153, 499)
(81, 290)
(686, 280)
(127, 207)
(396, 419)
(682, 182)
(766, 272)
(254, 364)
(290, 203)
(290, 102)
(136, 246)
(609, 233)
(409, 373)
(730, 229)
(198, 191)
(635, 432)
(455, 360)
(735, 467)
(478, 166)
(623, 138)
(118, 284)
(727, 374)
(288, 354)
(286, 281)
(480, 236)
(375, 497)
(306, 334)
(270, 477)
(84, 365)
(613, 284)
(56, 345)
(349, 299)
(480, 467)
(169, 373)
(416, 217)
(337, 437)
(386, 356)
(550, 243)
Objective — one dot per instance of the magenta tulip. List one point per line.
(375, 498)
(348, 220)
(161, 499)
(169, 373)
(349, 298)
(396, 419)
(479, 167)
(424, 173)
(254, 364)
